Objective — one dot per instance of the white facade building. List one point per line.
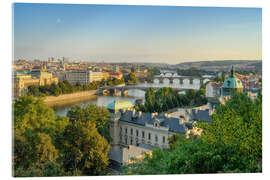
(83, 77)
(212, 89)
(132, 128)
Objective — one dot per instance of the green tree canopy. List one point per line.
(35, 130)
(131, 78)
(91, 113)
(85, 150)
(166, 98)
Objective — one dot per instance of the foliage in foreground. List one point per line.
(231, 143)
(48, 145)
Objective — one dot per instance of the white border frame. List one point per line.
(6, 57)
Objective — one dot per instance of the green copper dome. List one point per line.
(232, 82)
(120, 104)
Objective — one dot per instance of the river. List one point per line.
(133, 94)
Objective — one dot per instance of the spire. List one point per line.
(232, 72)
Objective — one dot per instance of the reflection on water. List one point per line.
(133, 94)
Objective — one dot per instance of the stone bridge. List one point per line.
(173, 80)
(179, 81)
(124, 89)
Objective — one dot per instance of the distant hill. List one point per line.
(256, 63)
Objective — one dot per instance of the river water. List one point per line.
(133, 94)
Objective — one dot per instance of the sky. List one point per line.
(121, 33)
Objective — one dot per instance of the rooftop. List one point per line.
(120, 104)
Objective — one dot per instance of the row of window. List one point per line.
(143, 134)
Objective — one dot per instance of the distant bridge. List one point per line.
(179, 83)
(116, 90)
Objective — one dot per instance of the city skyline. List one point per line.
(120, 33)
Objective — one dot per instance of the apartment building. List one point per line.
(83, 77)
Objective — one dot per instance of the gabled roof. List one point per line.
(145, 118)
(202, 115)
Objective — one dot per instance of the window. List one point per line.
(149, 136)
(126, 130)
(120, 129)
(126, 140)
(163, 139)
(137, 132)
(142, 134)
(131, 141)
(156, 138)
(131, 131)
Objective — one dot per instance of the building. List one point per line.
(231, 84)
(83, 77)
(106, 75)
(61, 75)
(95, 76)
(22, 80)
(213, 89)
(130, 128)
(124, 155)
(118, 75)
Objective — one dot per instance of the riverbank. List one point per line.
(69, 98)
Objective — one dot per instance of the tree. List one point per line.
(42, 170)
(242, 118)
(35, 132)
(153, 71)
(131, 78)
(33, 90)
(85, 150)
(32, 148)
(91, 113)
(166, 98)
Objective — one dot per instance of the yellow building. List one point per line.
(21, 81)
(106, 75)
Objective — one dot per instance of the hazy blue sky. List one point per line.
(136, 33)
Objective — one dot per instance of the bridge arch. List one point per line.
(166, 81)
(156, 81)
(186, 83)
(176, 81)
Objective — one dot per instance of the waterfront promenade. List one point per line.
(69, 98)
